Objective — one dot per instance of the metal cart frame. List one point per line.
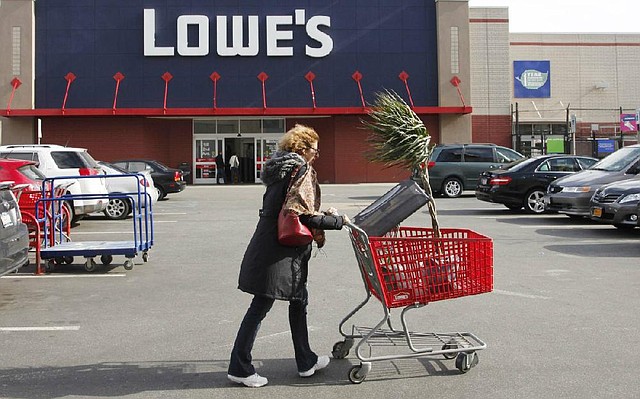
(409, 268)
(60, 251)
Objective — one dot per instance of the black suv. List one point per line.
(14, 237)
(457, 167)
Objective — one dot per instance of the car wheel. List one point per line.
(533, 202)
(161, 193)
(451, 187)
(117, 208)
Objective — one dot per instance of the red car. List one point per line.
(23, 172)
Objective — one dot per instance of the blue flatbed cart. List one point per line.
(63, 250)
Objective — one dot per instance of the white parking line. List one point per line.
(168, 213)
(510, 293)
(53, 328)
(18, 275)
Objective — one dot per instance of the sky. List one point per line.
(569, 16)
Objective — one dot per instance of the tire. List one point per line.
(117, 208)
(451, 187)
(161, 193)
(533, 202)
(355, 376)
(72, 213)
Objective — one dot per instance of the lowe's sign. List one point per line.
(278, 29)
(221, 47)
(531, 79)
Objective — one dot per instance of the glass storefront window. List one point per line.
(228, 126)
(273, 125)
(204, 127)
(250, 126)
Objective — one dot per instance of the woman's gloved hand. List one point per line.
(345, 219)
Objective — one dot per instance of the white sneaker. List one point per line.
(323, 361)
(252, 381)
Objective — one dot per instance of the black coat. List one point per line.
(268, 268)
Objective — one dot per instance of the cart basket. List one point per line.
(413, 267)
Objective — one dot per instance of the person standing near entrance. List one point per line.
(271, 271)
(219, 168)
(234, 164)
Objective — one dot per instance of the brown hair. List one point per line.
(298, 138)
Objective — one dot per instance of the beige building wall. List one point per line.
(592, 74)
(17, 41)
(453, 60)
(490, 70)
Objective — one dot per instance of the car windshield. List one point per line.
(31, 172)
(517, 165)
(114, 167)
(619, 160)
(73, 159)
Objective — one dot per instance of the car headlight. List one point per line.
(584, 189)
(630, 198)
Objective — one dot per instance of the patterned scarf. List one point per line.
(304, 196)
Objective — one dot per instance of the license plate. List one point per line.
(596, 212)
(6, 219)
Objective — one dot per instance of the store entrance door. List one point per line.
(206, 147)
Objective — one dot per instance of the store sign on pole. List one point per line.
(628, 123)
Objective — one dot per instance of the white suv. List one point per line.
(56, 160)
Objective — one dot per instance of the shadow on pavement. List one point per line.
(129, 378)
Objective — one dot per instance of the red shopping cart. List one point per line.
(409, 267)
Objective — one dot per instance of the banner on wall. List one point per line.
(531, 79)
(628, 123)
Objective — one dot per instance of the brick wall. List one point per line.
(492, 129)
(169, 141)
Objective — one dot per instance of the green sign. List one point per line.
(555, 146)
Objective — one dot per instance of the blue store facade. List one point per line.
(180, 81)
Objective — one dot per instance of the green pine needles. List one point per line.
(398, 136)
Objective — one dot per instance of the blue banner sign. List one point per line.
(606, 146)
(531, 79)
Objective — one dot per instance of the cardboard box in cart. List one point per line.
(388, 211)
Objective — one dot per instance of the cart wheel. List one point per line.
(355, 376)
(449, 345)
(145, 256)
(106, 259)
(90, 265)
(128, 264)
(68, 260)
(49, 266)
(341, 348)
(465, 361)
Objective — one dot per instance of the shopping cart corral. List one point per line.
(410, 267)
(139, 240)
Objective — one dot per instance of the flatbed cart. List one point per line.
(142, 228)
(409, 268)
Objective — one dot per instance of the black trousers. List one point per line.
(240, 364)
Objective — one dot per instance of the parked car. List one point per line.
(454, 168)
(524, 182)
(119, 207)
(21, 172)
(167, 180)
(14, 236)
(571, 195)
(56, 161)
(617, 204)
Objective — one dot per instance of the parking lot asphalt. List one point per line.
(562, 321)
